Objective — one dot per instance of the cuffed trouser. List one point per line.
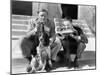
(55, 48)
(80, 49)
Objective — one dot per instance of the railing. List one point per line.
(81, 23)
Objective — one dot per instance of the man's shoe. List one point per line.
(76, 65)
(53, 61)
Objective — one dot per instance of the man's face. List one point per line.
(67, 23)
(68, 26)
(43, 16)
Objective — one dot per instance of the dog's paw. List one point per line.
(29, 68)
(33, 71)
(50, 63)
(48, 69)
(39, 67)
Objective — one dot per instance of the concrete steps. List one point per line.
(20, 25)
(19, 28)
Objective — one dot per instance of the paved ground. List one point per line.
(87, 61)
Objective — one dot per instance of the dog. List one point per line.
(44, 51)
(43, 57)
(33, 66)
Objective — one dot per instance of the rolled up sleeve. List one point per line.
(31, 28)
(52, 31)
(32, 25)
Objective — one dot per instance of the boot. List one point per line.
(75, 63)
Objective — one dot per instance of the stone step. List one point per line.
(19, 27)
(21, 17)
(18, 33)
(25, 22)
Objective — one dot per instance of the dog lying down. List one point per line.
(42, 61)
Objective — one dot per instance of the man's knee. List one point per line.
(81, 46)
(57, 43)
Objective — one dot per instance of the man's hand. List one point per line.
(52, 41)
(76, 37)
(61, 36)
(32, 32)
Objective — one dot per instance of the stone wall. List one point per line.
(54, 10)
(89, 15)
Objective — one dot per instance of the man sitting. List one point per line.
(74, 43)
(49, 28)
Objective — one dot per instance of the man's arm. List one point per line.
(52, 32)
(32, 28)
(80, 36)
(76, 33)
(77, 37)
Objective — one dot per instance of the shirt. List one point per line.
(49, 26)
